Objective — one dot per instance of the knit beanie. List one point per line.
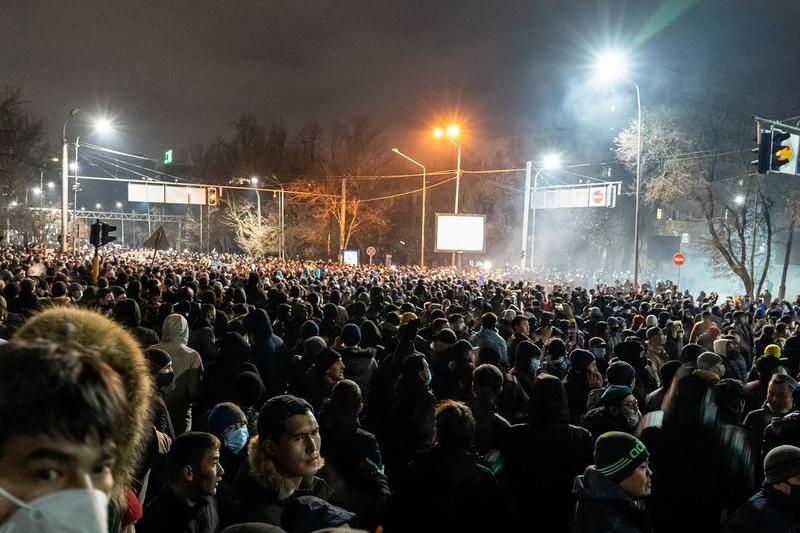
(615, 394)
(620, 373)
(580, 359)
(156, 359)
(224, 415)
(309, 329)
(782, 463)
(351, 335)
(617, 455)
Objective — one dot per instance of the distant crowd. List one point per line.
(207, 393)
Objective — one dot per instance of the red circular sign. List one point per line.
(597, 196)
(679, 259)
(371, 251)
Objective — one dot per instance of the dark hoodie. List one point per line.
(603, 506)
(544, 455)
(269, 352)
(127, 313)
(217, 385)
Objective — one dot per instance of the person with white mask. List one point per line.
(61, 407)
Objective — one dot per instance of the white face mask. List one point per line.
(64, 511)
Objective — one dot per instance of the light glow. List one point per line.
(611, 66)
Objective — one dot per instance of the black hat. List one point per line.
(326, 358)
(580, 359)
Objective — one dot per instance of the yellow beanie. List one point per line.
(773, 350)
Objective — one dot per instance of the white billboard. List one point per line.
(144, 192)
(184, 195)
(350, 257)
(556, 197)
(460, 233)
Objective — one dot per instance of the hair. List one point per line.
(346, 396)
(729, 393)
(489, 320)
(488, 376)
(455, 425)
(518, 321)
(272, 418)
(58, 390)
(653, 331)
(189, 450)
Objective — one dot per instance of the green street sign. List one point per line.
(168, 157)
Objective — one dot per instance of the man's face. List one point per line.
(32, 466)
(523, 328)
(637, 485)
(335, 373)
(297, 452)
(779, 397)
(207, 475)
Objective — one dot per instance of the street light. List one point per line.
(424, 187)
(122, 220)
(549, 162)
(610, 67)
(451, 133)
(254, 183)
(281, 205)
(98, 205)
(50, 185)
(739, 199)
(65, 179)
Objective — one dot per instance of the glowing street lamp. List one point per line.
(739, 199)
(451, 132)
(98, 205)
(610, 67)
(50, 185)
(103, 125)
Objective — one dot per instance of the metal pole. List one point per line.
(525, 214)
(75, 238)
(123, 226)
(283, 226)
(458, 187)
(424, 191)
(65, 180)
(638, 181)
(258, 206)
(342, 216)
(533, 215)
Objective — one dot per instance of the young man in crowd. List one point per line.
(187, 503)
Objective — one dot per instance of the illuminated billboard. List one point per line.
(460, 233)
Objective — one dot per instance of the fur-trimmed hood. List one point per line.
(263, 470)
(120, 350)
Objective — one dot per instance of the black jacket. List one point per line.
(768, 511)
(599, 420)
(603, 507)
(360, 366)
(169, 514)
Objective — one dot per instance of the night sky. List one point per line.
(172, 73)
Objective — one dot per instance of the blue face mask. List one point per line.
(236, 439)
(535, 364)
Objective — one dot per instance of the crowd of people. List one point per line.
(194, 393)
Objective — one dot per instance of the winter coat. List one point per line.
(201, 338)
(768, 511)
(269, 353)
(188, 368)
(784, 430)
(491, 429)
(360, 366)
(217, 385)
(128, 313)
(409, 424)
(577, 396)
(446, 490)
(543, 456)
(603, 507)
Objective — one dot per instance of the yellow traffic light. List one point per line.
(212, 196)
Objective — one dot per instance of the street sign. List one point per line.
(371, 251)
(168, 157)
(679, 259)
(598, 196)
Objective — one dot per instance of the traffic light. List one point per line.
(763, 150)
(106, 230)
(212, 196)
(783, 153)
(94, 234)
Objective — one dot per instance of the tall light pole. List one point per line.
(254, 183)
(610, 67)
(281, 204)
(65, 180)
(122, 220)
(550, 162)
(424, 189)
(451, 133)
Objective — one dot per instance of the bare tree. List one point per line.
(685, 166)
(20, 135)
(253, 238)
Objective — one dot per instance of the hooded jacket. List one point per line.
(218, 379)
(544, 455)
(269, 352)
(360, 366)
(602, 506)
(120, 350)
(128, 313)
(188, 368)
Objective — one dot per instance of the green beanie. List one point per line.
(617, 454)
